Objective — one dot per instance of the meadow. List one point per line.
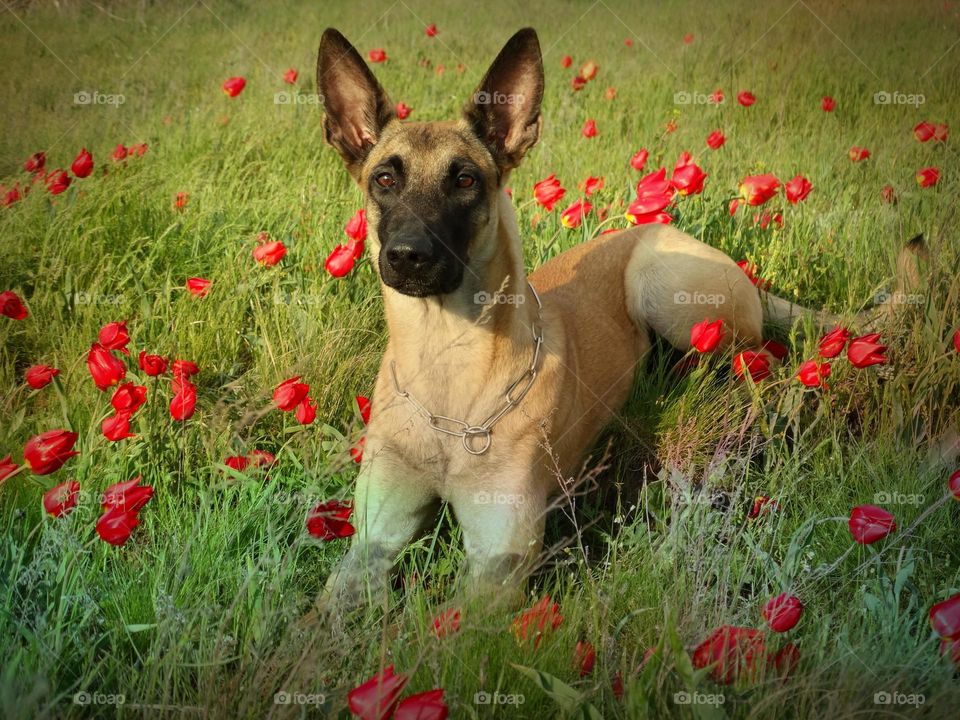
(707, 496)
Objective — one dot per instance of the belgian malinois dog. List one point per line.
(485, 367)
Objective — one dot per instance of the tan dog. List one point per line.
(450, 419)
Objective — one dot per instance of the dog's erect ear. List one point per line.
(356, 106)
(504, 112)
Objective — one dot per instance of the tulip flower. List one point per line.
(138, 149)
(198, 286)
(548, 192)
(57, 181)
(237, 462)
(757, 189)
(616, 686)
(116, 525)
(923, 131)
(783, 612)
(928, 177)
(377, 55)
(184, 402)
(234, 86)
(128, 495)
(116, 427)
(827, 103)
(573, 215)
(119, 153)
(35, 162)
(269, 253)
(306, 411)
(865, 351)
(356, 452)
(184, 370)
(534, 622)
(12, 195)
(114, 336)
(639, 159)
(654, 193)
(731, 653)
(610, 93)
(756, 364)
(858, 153)
(105, 369)
(290, 393)
(592, 184)
(814, 374)
(49, 451)
(945, 618)
(589, 129)
(778, 350)
(377, 698)
(128, 397)
(83, 164)
(751, 270)
(39, 376)
(688, 179)
(833, 342)
(732, 208)
(688, 38)
(577, 83)
(330, 520)
(290, 76)
(716, 97)
(940, 132)
(59, 500)
(341, 261)
(446, 623)
(12, 306)
(431, 30)
(869, 523)
(705, 336)
(797, 189)
(762, 505)
(746, 98)
(356, 227)
(588, 71)
(950, 648)
(953, 484)
(7, 468)
(403, 111)
(584, 657)
(364, 406)
(566, 61)
(786, 660)
(716, 139)
(423, 706)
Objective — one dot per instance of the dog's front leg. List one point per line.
(392, 503)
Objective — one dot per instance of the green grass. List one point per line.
(201, 613)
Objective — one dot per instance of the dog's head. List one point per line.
(432, 188)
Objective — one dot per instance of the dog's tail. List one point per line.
(780, 311)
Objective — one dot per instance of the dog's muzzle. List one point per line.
(418, 265)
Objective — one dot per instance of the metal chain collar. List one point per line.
(514, 394)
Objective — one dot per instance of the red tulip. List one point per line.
(592, 184)
(787, 660)
(446, 623)
(35, 162)
(534, 622)
(783, 612)
(869, 523)
(639, 159)
(356, 227)
(183, 370)
(616, 685)
(548, 192)
(269, 253)
(589, 129)
(116, 525)
(431, 30)
(13, 195)
(940, 132)
(105, 369)
(705, 336)
(945, 618)
(39, 376)
(403, 111)
(377, 55)
(119, 153)
(114, 336)
(237, 462)
(827, 103)
(688, 179)
(716, 97)
(588, 71)
(117, 427)
(751, 270)
(584, 657)
(928, 177)
(731, 653)
(814, 374)
(566, 61)
(7, 468)
(716, 139)
(734, 204)
(888, 194)
(330, 520)
(923, 131)
(57, 181)
(762, 505)
(377, 698)
(865, 351)
(858, 153)
(950, 648)
(12, 306)
(954, 484)
(129, 495)
(198, 286)
(341, 261)
(610, 93)
(688, 38)
(290, 76)
(756, 364)
(83, 164)
(128, 397)
(654, 193)
(797, 189)
(356, 452)
(956, 340)
(746, 98)
(423, 706)
(184, 402)
(364, 405)
(573, 215)
(59, 500)
(290, 393)
(306, 411)
(757, 189)
(778, 350)
(833, 342)
(234, 86)
(49, 451)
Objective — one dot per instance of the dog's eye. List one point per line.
(386, 180)
(465, 181)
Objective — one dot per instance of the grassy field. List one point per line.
(202, 612)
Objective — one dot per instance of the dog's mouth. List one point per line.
(431, 281)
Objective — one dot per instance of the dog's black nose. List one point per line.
(409, 255)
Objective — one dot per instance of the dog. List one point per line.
(485, 367)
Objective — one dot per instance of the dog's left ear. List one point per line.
(504, 112)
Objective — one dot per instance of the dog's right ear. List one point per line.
(356, 107)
